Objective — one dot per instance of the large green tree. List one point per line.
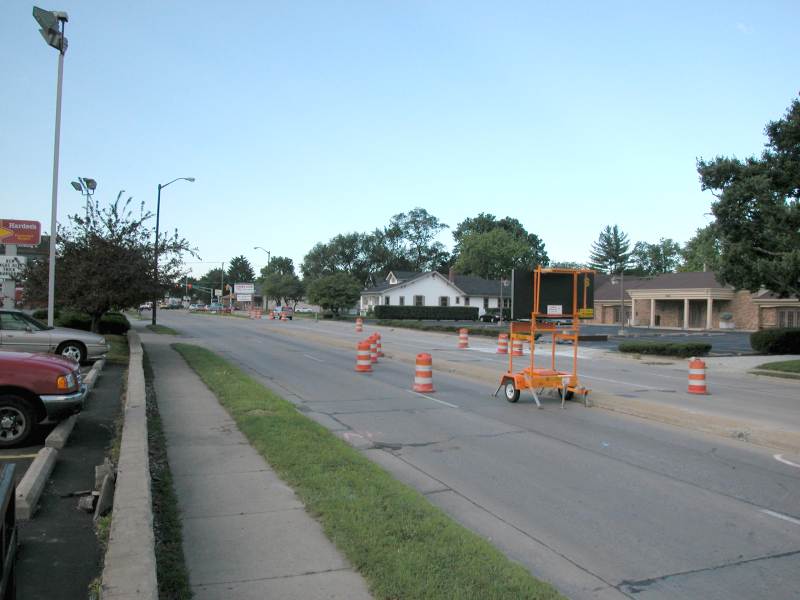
(494, 254)
(703, 251)
(281, 265)
(105, 261)
(486, 222)
(611, 252)
(334, 292)
(655, 259)
(419, 229)
(757, 212)
(240, 271)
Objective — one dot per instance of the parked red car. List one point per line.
(36, 388)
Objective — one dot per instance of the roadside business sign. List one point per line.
(11, 267)
(20, 233)
(244, 297)
(218, 293)
(243, 288)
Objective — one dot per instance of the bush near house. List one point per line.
(112, 322)
(681, 350)
(432, 313)
(776, 341)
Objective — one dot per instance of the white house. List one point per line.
(406, 288)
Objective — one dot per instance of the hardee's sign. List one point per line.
(21, 233)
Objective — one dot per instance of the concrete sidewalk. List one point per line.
(245, 533)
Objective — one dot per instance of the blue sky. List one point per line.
(302, 120)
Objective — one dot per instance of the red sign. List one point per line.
(21, 233)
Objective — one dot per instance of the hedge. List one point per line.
(430, 313)
(776, 341)
(111, 322)
(682, 350)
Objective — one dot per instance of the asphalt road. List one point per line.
(602, 505)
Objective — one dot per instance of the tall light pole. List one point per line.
(53, 24)
(155, 247)
(86, 186)
(263, 295)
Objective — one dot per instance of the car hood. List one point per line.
(87, 337)
(31, 359)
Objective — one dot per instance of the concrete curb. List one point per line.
(91, 378)
(130, 563)
(741, 430)
(30, 488)
(60, 435)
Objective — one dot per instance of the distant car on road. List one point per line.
(215, 307)
(193, 307)
(146, 306)
(283, 311)
(22, 333)
(36, 388)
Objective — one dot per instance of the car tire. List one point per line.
(510, 392)
(16, 420)
(74, 350)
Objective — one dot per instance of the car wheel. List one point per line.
(512, 393)
(16, 420)
(74, 350)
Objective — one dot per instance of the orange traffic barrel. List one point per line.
(373, 348)
(258, 313)
(423, 375)
(516, 347)
(359, 325)
(463, 338)
(378, 343)
(502, 343)
(271, 315)
(363, 364)
(697, 377)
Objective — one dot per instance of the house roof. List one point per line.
(470, 285)
(607, 287)
(685, 280)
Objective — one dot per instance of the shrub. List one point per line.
(682, 350)
(112, 322)
(433, 313)
(41, 314)
(776, 341)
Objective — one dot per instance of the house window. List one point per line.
(443, 300)
(506, 302)
(386, 300)
(789, 318)
(458, 299)
(466, 300)
(419, 300)
(485, 303)
(402, 300)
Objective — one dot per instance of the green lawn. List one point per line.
(162, 329)
(785, 366)
(403, 545)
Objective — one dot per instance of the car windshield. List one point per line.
(35, 323)
(17, 321)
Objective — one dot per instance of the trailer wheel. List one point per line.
(512, 393)
(569, 395)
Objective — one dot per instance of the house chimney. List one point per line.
(451, 275)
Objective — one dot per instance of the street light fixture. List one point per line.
(155, 246)
(86, 186)
(53, 25)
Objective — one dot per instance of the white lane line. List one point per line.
(434, 399)
(779, 458)
(778, 515)
(314, 358)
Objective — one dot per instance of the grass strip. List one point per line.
(163, 329)
(171, 571)
(785, 366)
(403, 546)
(119, 352)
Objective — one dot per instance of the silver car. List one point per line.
(20, 332)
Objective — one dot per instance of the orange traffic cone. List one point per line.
(423, 375)
(463, 338)
(697, 377)
(359, 325)
(516, 347)
(362, 357)
(502, 343)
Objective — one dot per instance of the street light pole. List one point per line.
(53, 27)
(263, 295)
(155, 246)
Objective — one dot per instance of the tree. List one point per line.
(240, 270)
(610, 252)
(280, 264)
(493, 254)
(567, 264)
(105, 260)
(334, 292)
(485, 223)
(757, 210)
(418, 229)
(655, 259)
(703, 251)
